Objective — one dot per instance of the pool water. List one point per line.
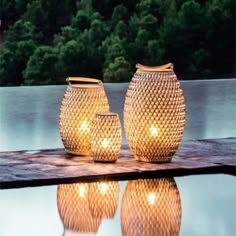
(191, 205)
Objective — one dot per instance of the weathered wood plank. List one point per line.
(28, 168)
(216, 151)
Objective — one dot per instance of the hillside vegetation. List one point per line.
(46, 41)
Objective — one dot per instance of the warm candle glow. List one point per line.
(151, 198)
(81, 190)
(105, 143)
(154, 113)
(104, 188)
(153, 131)
(84, 126)
(105, 137)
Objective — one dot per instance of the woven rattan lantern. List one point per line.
(103, 198)
(154, 113)
(73, 207)
(151, 207)
(83, 98)
(106, 137)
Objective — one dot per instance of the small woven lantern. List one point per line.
(106, 137)
(103, 198)
(151, 207)
(73, 207)
(83, 98)
(154, 113)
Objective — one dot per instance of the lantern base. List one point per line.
(145, 159)
(104, 161)
(75, 153)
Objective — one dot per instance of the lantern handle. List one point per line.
(168, 66)
(83, 80)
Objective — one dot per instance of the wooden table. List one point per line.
(46, 167)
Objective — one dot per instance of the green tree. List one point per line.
(81, 21)
(21, 43)
(121, 30)
(106, 7)
(68, 33)
(95, 38)
(42, 67)
(118, 71)
(154, 52)
(21, 31)
(112, 48)
(158, 8)
(77, 57)
(98, 31)
(200, 64)
(133, 26)
(49, 16)
(221, 36)
(13, 63)
(120, 13)
(182, 37)
(11, 11)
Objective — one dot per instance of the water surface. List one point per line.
(207, 204)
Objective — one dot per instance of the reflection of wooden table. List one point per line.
(29, 168)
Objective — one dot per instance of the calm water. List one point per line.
(29, 120)
(29, 115)
(207, 206)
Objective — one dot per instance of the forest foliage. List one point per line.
(45, 41)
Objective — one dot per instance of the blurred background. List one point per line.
(44, 41)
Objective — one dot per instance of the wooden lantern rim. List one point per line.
(84, 82)
(165, 67)
(106, 114)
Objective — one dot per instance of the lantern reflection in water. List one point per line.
(73, 207)
(103, 198)
(151, 207)
(83, 205)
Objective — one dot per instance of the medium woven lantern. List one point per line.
(154, 113)
(83, 98)
(151, 207)
(103, 198)
(73, 207)
(106, 137)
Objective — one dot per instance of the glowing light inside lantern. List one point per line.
(84, 126)
(103, 188)
(151, 198)
(81, 190)
(105, 143)
(153, 131)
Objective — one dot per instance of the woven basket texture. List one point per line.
(73, 207)
(106, 137)
(154, 115)
(103, 198)
(78, 108)
(151, 207)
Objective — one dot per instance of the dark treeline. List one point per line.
(45, 41)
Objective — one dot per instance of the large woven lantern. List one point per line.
(151, 207)
(154, 113)
(73, 207)
(83, 98)
(106, 137)
(103, 198)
